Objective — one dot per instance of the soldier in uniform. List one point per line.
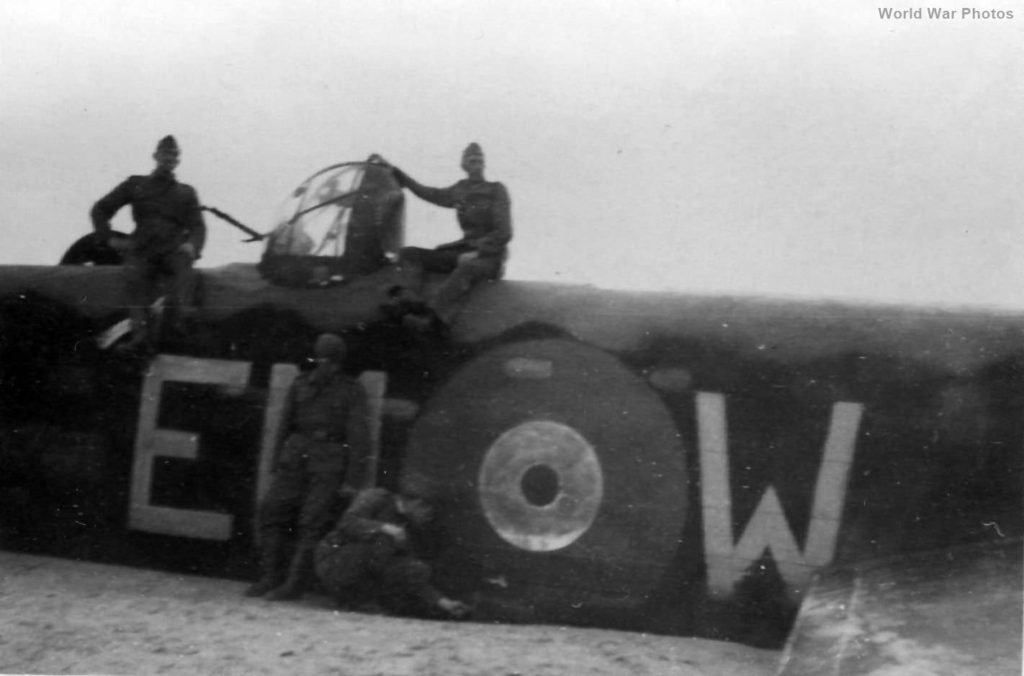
(168, 238)
(376, 547)
(326, 430)
(483, 209)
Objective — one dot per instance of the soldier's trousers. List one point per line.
(144, 277)
(147, 277)
(462, 277)
(348, 569)
(300, 502)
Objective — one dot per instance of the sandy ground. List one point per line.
(67, 617)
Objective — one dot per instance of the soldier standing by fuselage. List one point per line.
(168, 238)
(326, 429)
(483, 209)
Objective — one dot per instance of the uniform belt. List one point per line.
(323, 435)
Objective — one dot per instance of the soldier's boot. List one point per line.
(299, 573)
(272, 561)
(140, 340)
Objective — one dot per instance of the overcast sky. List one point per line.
(775, 148)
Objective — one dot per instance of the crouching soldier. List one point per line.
(375, 548)
(325, 430)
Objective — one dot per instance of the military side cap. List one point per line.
(168, 144)
(472, 150)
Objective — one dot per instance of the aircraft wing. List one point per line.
(949, 611)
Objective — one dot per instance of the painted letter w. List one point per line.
(728, 560)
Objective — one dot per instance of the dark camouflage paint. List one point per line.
(938, 455)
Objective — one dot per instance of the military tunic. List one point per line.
(167, 214)
(325, 422)
(483, 210)
(358, 553)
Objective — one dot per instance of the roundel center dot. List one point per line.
(540, 485)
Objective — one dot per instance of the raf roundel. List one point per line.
(541, 485)
(560, 472)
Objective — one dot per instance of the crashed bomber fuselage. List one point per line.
(656, 461)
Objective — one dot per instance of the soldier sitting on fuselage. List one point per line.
(483, 210)
(168, 238)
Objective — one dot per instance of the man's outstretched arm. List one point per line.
(442, 197)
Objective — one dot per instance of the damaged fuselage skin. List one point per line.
(650, 461)
(660, 462)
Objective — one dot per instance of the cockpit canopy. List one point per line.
(345, 220)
